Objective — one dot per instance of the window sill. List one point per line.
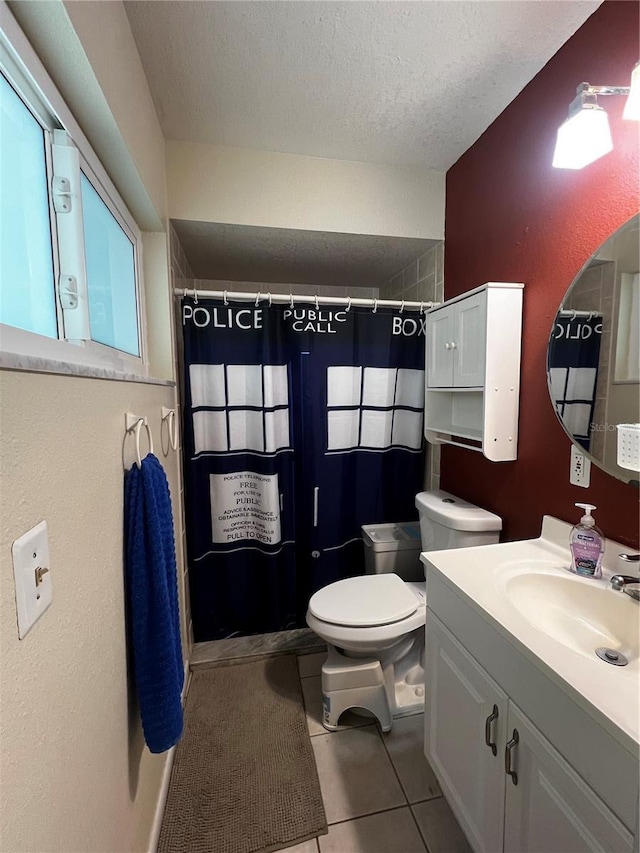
(39, 364)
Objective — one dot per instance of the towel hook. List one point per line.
(134, 423)
(375, 306)
(224, 298)
(257, 298)
(348, 303)
(169, 415)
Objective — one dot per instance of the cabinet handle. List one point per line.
(447, 346)
(507, 757)
(453, 345)
(493, 716)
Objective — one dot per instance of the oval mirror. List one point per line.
(593, 358)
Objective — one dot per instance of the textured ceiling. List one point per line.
(248, 253)
(382, 82)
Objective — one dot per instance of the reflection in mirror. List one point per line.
(593, 362)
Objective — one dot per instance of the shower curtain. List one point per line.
(574, 355)
(300, 425)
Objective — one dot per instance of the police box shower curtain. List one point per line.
(300, 425)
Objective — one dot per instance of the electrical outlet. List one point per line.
(580, 468)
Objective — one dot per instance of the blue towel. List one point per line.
(152, 591)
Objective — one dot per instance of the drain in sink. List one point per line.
(612, 656)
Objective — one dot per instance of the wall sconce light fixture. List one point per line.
(585, 135)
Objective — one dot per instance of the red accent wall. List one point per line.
(510, 216)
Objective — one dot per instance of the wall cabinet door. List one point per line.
(468, 342)
(456, 338)
(465, 713)
(551, 809)
(439, 352)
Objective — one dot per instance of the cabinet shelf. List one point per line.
(473, 370)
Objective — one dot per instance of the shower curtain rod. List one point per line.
(293, 299)
(569, 312)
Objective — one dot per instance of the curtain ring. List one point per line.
(375, 306)
(291, 301)
(269, 299)
(224, 298)
(348, 303)
(184, 293)
(402, 306)
(422, 308)
(138, 430)
(590, 318)
(317, 306)
(573, 316)
(195, 295)
(257, 299)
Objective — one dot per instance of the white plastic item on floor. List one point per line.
(347, 684)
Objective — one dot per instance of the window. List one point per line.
(111, 275)
(374, 408)
(27, 298)
(69, 250)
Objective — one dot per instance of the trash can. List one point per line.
(393, 548)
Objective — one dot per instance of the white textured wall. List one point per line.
(75, 775)
(240, 186)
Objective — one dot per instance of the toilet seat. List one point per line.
(364, 602)
(351, 636)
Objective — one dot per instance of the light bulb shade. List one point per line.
(632, 107)
(582, 138)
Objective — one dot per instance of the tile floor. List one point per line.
(380, 794)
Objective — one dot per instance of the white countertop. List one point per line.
(611, 694)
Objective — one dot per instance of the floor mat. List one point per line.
(244, 778)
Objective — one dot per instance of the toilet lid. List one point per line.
(364, 601)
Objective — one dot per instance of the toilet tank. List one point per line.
(450, 522)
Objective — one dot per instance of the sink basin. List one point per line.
(579, 613)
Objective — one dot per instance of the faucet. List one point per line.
(622, 581)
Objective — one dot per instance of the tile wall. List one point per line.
(271, 287)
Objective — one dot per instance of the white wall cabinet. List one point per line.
(524, 799)
(456, 335)
(473, 370)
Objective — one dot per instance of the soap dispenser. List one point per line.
(586, 543)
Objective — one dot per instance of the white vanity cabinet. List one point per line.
(465, 724)
(510, 788)
(472, 370)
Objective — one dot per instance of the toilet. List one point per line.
(374, 625)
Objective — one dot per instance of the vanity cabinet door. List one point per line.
(465, 713)
(439, 335)
(551, 809)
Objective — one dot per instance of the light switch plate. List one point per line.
(31, 552)
(580, 470)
